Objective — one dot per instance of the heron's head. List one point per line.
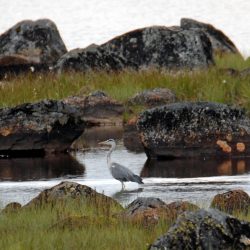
(109, 142)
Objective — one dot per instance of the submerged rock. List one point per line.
(232, 201)
(205, 229)
(30, 43)
(97, 108)
(153, 97)
(71, 190)
(220, 42)
(201, 129)
(46, 126)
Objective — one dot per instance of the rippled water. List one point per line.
(84, 22)
(193, 180)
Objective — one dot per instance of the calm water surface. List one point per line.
(192, 180)
(84, 22)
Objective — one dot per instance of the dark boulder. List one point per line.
(71, 190)
(153, 97)
(36, 44)
(201, 129)
(46, 126)
(91, 58)
(97, 108)
(164, 47)
(232, 201)
(156, 46)
(205, 229)
(220, 42)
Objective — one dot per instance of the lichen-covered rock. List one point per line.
(164, 47)
(30, 43)
(92, 58)
(220, 42)
(201, 129)
(97, 108)
(71, 190)
(153, 97)
(232, 201)
(46, 126)
(205, 229)
(148, 210)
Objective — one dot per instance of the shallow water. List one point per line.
(84, 22)
(191, 180)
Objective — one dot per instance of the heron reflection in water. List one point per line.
(118, 171)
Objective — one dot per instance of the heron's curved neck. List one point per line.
(109, 156)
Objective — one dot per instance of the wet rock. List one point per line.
(12, 207)
(153, 97)
(42, 127)
(71, 190)
(131, 138)
(91, 58)
(205, 229)
(232, 201)
(199, 129)
(164, 47)
(98, 108)
(28, 44)
(220, 42)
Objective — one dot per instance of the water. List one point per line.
(192, 180)
(84, 22)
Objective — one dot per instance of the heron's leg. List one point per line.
(123, 186)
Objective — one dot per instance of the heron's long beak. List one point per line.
(103, 143)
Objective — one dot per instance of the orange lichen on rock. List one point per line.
(224, 146)
(6, 131)
(240, 146)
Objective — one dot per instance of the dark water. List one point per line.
(193, 180)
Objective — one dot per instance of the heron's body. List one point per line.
(118, 171)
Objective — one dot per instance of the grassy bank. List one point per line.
(75, 225)
(206, 85)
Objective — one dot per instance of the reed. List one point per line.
(213, 84)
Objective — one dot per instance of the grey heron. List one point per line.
(118, 171)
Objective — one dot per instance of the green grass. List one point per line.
(92, 228)
(205, 85)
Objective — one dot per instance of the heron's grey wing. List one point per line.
(122, 173)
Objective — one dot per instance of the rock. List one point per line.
(37, 128)
(91, 58)
(199, 129)
(71, 190)
(131, 138)
(205, 229)
(97, 108)
(232, 201)
(148, 210)
(164, 47)
(12, 207)
(153, 97)
(220, 42)
(30, 43)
